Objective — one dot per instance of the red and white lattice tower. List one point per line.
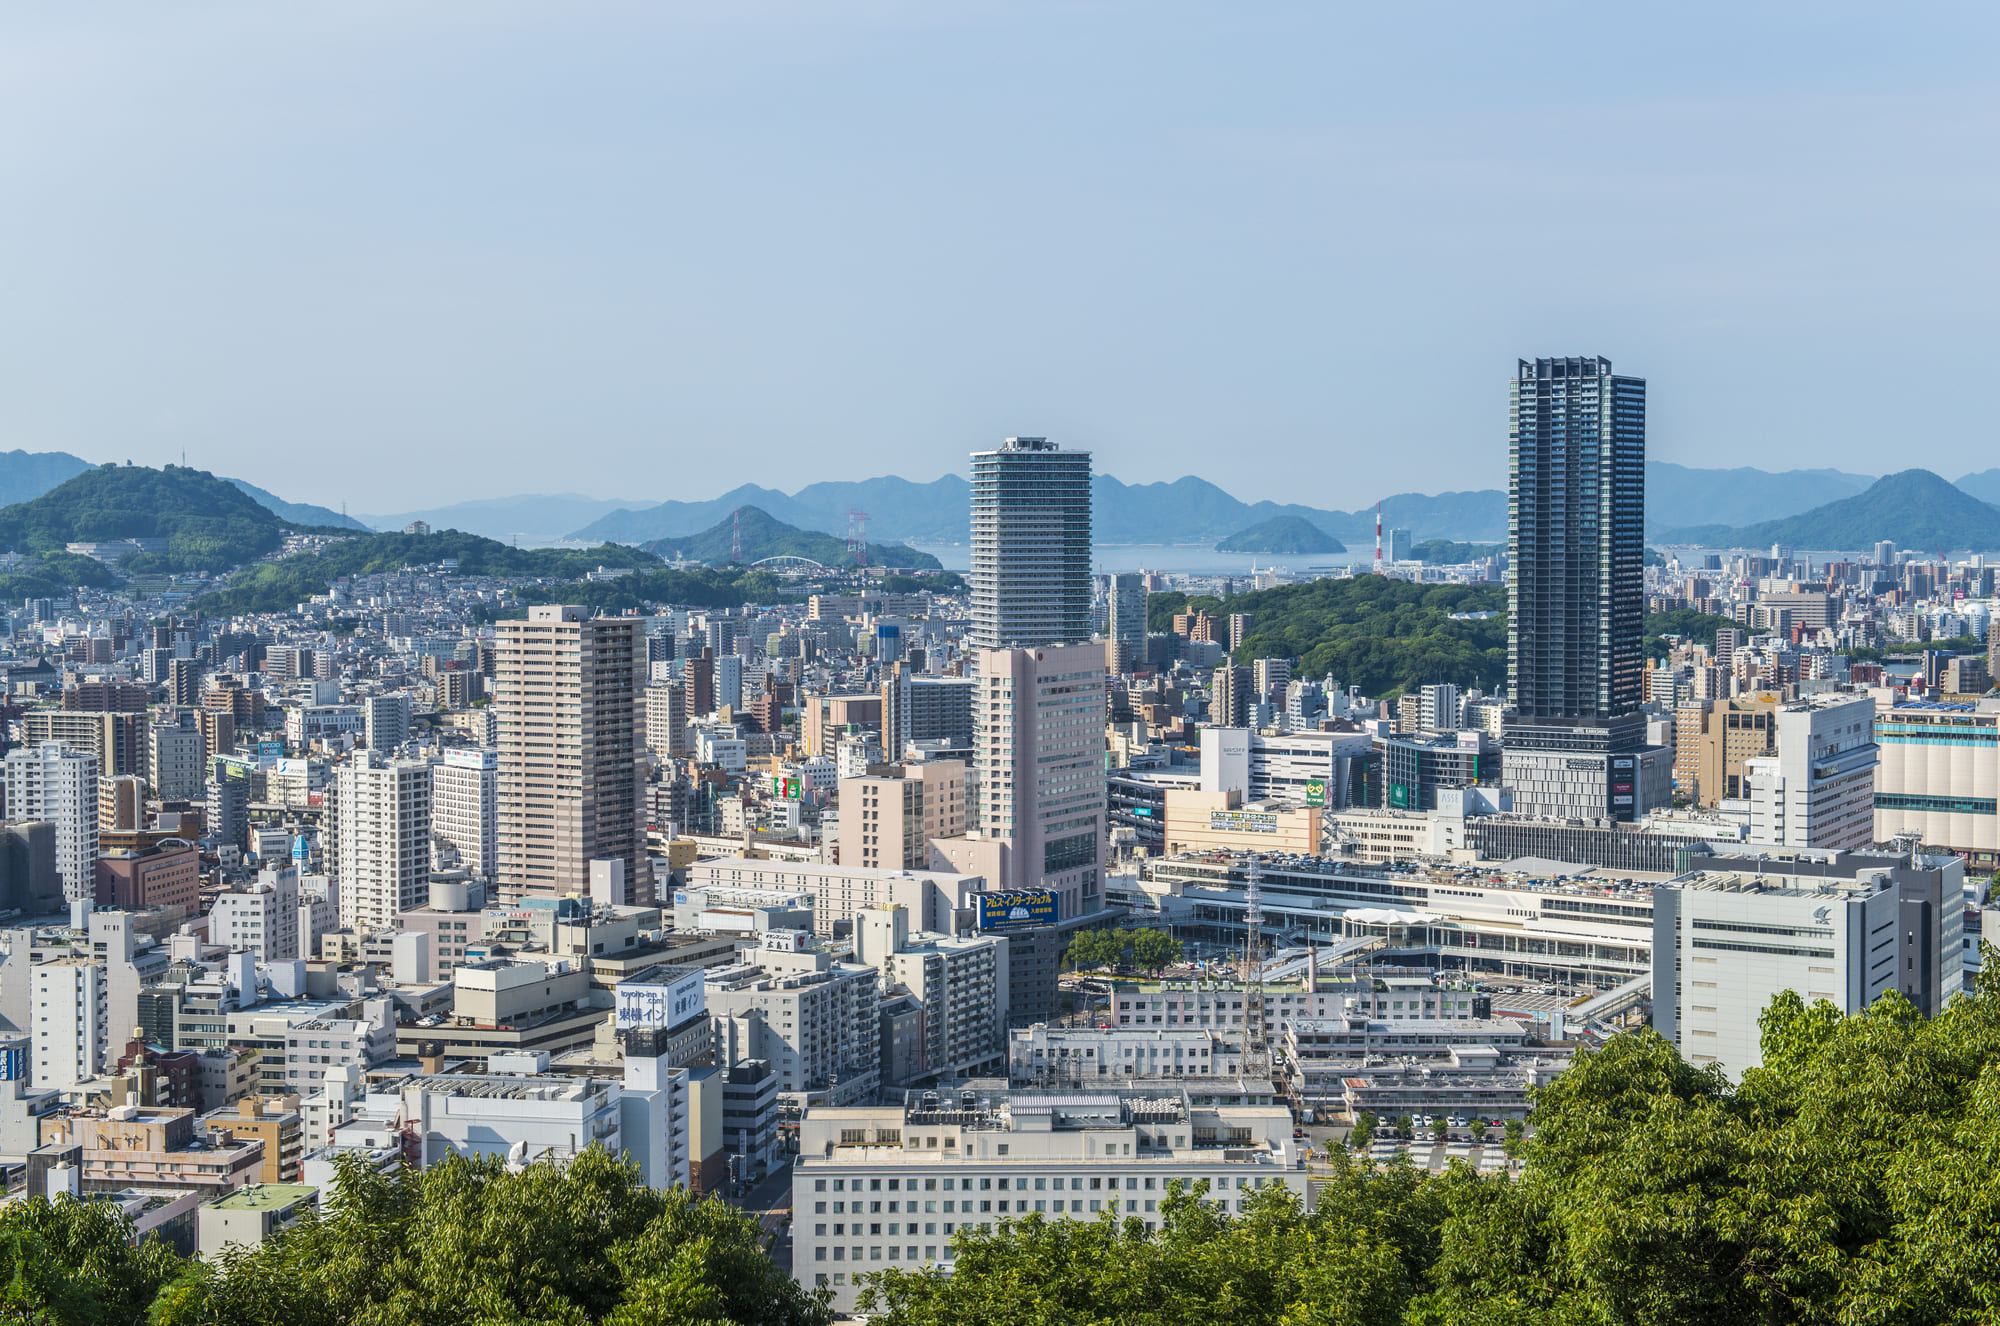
(857, 536)
(1378, 538)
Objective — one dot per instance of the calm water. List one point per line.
(1182, 559)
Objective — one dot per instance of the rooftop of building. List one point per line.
(497, 1086)
(265, 1197)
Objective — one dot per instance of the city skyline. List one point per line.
(1156, 250)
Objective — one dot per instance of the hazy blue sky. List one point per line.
(399, 254)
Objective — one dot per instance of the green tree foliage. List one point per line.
(1364, 1131)
(1272, 1264)
(1155, 950)
(1372, 631)
(1444, 552)
(466, 1241)
(1855, 1178)
(1101, 946)
(1683, 622)
(73, 1262)
(72, 569)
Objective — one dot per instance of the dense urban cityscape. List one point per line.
(894, 875)
(1021, 664)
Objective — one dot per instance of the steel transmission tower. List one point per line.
(1256, 1038)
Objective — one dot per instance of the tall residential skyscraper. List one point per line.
(572, 751)
(1576, 542)
(55, 783)
(381, 840)
(465, 806)
(1126, 621)
(1037, 809)
(1030, 546)
(1576, 592)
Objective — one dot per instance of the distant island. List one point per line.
(1288, 535)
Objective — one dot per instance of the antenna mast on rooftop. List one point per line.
(1256, 1043)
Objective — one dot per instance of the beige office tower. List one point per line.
(572, 751)
(1038, 814)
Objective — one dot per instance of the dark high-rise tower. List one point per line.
(1576, 741)
(1576, 542)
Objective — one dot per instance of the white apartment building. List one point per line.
(962, 984)
(811, 1018)
(839, 893)
(55, 783)
(173, 761)
(1842, 927)
(1819, 789)
(465, 807)
(326, 1050)
(723, 746)
(261, 917)
(386, 721)
(320, 722)
(382, 838)
(69, 1000)
(887, 1186)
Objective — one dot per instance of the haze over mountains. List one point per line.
(1684, 504)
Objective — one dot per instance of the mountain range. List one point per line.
(1682, 503)
(762, 535)
(1915, 509)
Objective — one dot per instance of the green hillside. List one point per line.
(764, 535)
(1913, 509)
(282, 585)
(1288, 535)
(209, 523)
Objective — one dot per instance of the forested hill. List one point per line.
(209, 523)
(281, 585)
(1375, 632)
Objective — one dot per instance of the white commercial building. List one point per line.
(1939, 778)
(465, 807)
(812, 1019)
(70, 1015)
(382, 839)
(1305, 768)
(490, 1114)
(1844, 927)
(55, 783)
(1819, 789)
(261, 917)
(887, 1186)
(962, 984)
(839, 893)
